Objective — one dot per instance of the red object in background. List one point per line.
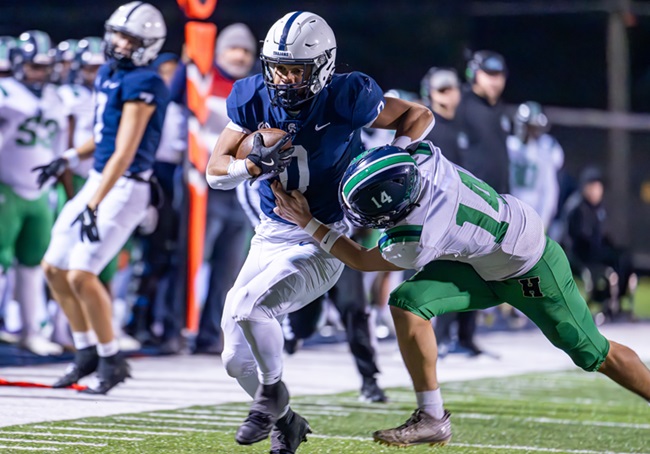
(199, 45)
(27, 384)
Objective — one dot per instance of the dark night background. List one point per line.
(557, 59)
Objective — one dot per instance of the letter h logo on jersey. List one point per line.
(530, 287)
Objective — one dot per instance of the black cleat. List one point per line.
(256, 427)
(85, 363)
(112, 370)
(288, 433)
(371, 392)
(270, 401)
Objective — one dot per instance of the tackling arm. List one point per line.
(411, 122)
(293, 207)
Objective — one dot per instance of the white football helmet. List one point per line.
(299, 38)
(141, 21)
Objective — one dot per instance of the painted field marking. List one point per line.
(175, 421)
(51, 442)
(191, 418)
(135, 426)
(554, 421)
(482, 446)
(135, 432)
(29, 448)
(51, 434)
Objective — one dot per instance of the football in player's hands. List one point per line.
(270, 137)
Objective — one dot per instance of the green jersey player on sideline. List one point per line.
(32, 132)
(474, 249)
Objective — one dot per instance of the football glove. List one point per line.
(88, 220)
(271, 160)
(52, 170)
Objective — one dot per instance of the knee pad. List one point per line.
(238, 365)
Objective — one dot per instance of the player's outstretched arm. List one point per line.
(293, 207)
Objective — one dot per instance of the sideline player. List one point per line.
(285, 269)
(32, 132)
(95, 224)
(474, 249)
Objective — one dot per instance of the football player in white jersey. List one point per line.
(535, 159)
(32, 130)
(474, 249)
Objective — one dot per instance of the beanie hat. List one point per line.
(236, 35)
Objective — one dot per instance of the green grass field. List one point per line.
(567, 412)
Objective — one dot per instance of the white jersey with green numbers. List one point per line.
(79, 103)
(32, 133)
(463, 219)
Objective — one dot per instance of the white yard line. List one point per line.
(553, 421)
(29, 448)
(482, 446)
(215, 418)
(134, 426)
(50, 442)
(175, 421)
(626, 425)
(51, 434)
(135, 432)
(535, 449)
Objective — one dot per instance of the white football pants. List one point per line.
(118, 215)
(277, 278)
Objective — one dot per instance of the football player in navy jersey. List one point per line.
(94, 225)
(323, 114)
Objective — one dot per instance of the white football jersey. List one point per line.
(79, 102)
(173, 141)
(533, 173)
(32, 132)
(463, 219)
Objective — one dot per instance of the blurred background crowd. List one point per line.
(543, 100)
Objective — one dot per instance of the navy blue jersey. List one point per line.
(326, 136)
(114, 87)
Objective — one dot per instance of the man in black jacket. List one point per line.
(483, 123)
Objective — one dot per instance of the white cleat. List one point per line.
(39, 345)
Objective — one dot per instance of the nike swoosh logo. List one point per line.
(270, 163)
(318, 128)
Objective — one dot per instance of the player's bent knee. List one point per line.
(52, 273)
(236, 366)
(77, 279)
(586, 348)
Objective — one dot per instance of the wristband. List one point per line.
(312, 226)
(329, 239)
(237, 169)
(72, 156)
